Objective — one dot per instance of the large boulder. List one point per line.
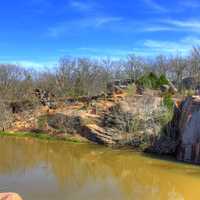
(172, 88)
(68, 124)
(189, 83)
(46, 98)
(164, 88)
(168, 88)
(117, 86)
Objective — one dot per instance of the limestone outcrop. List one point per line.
(117, 86)
(45, 98)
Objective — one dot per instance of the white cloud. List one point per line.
(168, 47)
(100, 21)
(99, 52)
(190, 3)
(81, 24)
(106, 51)
(81, 6)
(155, 6)
(184, 26)
(116, 24)
(193, 24)
(191, 40)
(150, 49)
(158, 28)
(30, 64)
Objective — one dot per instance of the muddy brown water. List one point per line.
(41, 170)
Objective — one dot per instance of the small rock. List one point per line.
(9, 196)
(164, 88)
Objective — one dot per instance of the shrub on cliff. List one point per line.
(168, 102)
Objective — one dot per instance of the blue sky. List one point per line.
(39, 32)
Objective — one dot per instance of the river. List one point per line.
(55, 170)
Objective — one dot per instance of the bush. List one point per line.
(152, 81)
(148, 81)
(168, 102)
(163, 80)
(41, 121)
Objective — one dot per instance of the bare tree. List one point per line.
(178, 66)
(161, 64)
(11, 81)
(194, 63)
(134, 67)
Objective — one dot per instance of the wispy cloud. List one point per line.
(190, 3)
(160, 46)
(190, 25)
(82, 6)
(158, 28)
(29, 64)
(194, 24)
(81, 24)
(170, 47)
(101, 21)
(99, 52)
(155, 6)
(120, 25)
(106, 51)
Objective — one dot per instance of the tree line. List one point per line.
(86, 77)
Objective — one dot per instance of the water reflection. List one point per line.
(56, 170)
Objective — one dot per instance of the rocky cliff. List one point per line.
(121, 119)
(182, 134)
(188, 126)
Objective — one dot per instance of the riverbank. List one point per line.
(43, 136)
